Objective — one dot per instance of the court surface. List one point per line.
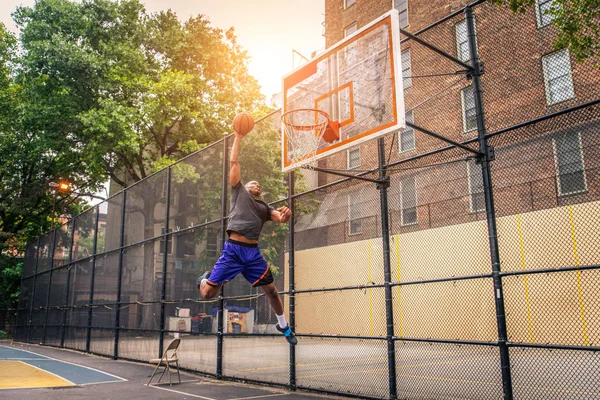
(60, 374)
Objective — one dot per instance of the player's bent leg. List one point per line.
(208, 291)
(273, 295)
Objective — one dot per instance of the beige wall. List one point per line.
(559, 308)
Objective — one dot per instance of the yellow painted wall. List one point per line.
(561, 308)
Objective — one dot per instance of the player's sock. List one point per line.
(281, 320)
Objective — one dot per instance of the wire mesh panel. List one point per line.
(343, 365)
(363, 307)
(554, 374)
(447, 371)
(141, 281)
(138, 345)
(106, 276)
(62, 245)
(337, 238)
(452, 310)
(56, 302)
(257, 358)
(560, 308)
(30, 259)
(196, 189)
(109, 224)
(145, 209)
(192, 253)
(525, 75)
(84, 234)
(44, 252)
(198, 353)
(102, 341)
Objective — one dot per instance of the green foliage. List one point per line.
(101, 89)
(576, 22)
(3, 335)
(10, 281)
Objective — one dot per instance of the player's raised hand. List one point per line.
(284, 214)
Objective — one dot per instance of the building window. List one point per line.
(354, 158)
(350, 29)
(462, 41)
(570, 172)
(348, 3)
(350, 52)
(212, 240)
(408, 198)
(475, 178)
(557, 77)
(468, 109)
(406, 69)
(406, 137)
(402, 7)
(542, 12)
(354, 217)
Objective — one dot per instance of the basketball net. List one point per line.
(304, 130)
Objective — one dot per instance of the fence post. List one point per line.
(489, 205)
(37, 257)
(164, 266)
(383, 186)
(64, 324)
(51, 257)
(291, 261)
(119, 280)
(93, 261)
(221, 303)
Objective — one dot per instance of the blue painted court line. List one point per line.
(78, 374)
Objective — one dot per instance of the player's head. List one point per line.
(253, 187)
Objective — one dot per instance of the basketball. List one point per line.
(243, 123)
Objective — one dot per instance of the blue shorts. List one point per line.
(240, 257)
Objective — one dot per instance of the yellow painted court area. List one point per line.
(16, 374)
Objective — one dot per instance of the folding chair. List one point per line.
(166, 360)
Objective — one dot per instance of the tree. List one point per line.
(108, 90)
(576, 22)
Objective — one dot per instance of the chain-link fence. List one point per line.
(465, 267)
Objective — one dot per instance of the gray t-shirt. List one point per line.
(247, 215)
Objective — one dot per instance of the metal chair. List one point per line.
(166, 360)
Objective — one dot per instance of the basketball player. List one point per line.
(241, 253)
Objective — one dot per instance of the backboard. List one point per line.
(357, 82)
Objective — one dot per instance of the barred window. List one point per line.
(462, 40)
(406, 137)
(468, 109)
(542, 12)
(568, 157)
(408, 198)
(475, 178)
(406, 69)
(402, 7)
(348, 3)
(354, 158)
(350, 52)
(354, 219)
(557, 77)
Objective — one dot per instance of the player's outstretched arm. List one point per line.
(234, 171)
(282, 214)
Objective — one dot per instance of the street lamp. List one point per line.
(62, 186)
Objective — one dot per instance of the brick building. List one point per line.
(525, 78)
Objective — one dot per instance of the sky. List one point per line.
(270, 30)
